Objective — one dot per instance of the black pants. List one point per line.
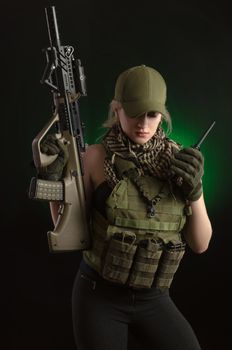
(104, 315)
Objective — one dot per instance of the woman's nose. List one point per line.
(142, 120)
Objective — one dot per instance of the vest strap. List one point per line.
(147, 224)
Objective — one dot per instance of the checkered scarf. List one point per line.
(151, 158)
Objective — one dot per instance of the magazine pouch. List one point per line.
(168, 264)
(119, 257)
(145, 263)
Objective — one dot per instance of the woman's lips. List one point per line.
(141, 134)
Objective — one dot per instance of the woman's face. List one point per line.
(139, 129)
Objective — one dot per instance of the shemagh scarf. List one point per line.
(151, 158)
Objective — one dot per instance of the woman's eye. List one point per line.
(152, 114)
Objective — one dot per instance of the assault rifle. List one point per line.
(64, 75)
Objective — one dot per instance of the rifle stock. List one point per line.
(71, 231)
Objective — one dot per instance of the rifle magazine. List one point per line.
(46, 190)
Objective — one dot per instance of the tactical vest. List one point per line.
(140, 243)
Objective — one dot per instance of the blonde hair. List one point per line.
(112, 118)
(112, 115)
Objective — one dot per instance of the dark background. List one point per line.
(190, 43)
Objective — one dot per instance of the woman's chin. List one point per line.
(140, 139)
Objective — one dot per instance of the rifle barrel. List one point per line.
(53, 33)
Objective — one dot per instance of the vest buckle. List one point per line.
(150, 210)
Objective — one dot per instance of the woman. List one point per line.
(145, 199)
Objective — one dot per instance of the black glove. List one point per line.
(188, 164)
(51, 146)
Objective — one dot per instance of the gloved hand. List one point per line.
(51, 146)
(188, 164)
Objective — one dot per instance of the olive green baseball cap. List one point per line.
(141, 89)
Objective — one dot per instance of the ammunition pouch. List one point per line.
(168, 264)
(119, 257)
(145, 264)
(141, 265)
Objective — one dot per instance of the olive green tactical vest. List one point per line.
(139, 208)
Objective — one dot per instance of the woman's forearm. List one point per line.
(198, 229)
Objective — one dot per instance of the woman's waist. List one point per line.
(90, 274)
